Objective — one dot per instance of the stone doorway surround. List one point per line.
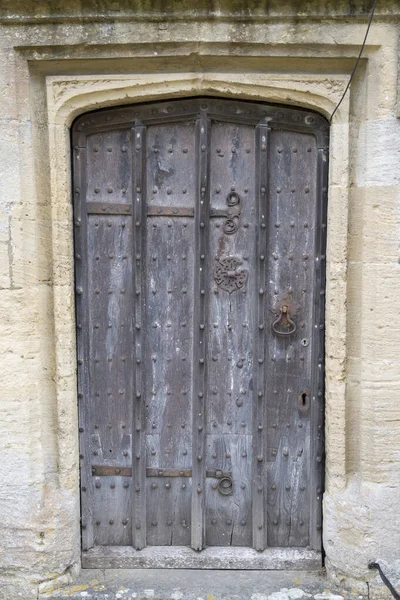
(69, 97)
(306, 65)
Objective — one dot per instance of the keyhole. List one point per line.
(304, 400)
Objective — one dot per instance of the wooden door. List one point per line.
(199, 247)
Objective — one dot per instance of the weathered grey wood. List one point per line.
(317, 370)
(182, 365)
(110, 371)
(82, 334)
(109, 172)
(260, 299)
(229, 518)
(140, 334)
(169, 314)
(104, 324)
(200, 291)
(291, 276)
(298, 559)
(230, 334)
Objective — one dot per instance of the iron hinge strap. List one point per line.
(113, 471)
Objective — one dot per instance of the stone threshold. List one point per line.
(197, 584)
(175, 557)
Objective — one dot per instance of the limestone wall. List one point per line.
(56, 64)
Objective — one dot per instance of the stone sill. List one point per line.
(161, 557)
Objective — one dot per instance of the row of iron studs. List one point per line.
(138, 440)
(198, 524)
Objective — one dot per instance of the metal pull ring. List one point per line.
(284, 325)
(225, 486)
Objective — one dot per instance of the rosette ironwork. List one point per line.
(227, 275)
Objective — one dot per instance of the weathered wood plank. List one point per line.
(291, 276)
(260, 420)
(110, 372)
(200, 291)
(139, 327)
(103, 263)
(82, 334)
(229, 517)
(317, 369)
(230, 331)
(169, 314)
(109, 173)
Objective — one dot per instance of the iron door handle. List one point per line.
(284, 320)
(225, 486)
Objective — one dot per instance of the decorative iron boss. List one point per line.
(227, 276)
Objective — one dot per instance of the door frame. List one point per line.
(276, 116)
(71, 96)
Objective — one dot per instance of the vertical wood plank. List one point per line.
(259, 415)
(110, 372)
(170, 182)
(104, 338)
(291, 282)
(199, 335)
(317, 375)
(230, 331)
(82, 315)
(139, 437)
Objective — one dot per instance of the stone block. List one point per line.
(354, 309)
(335, 317)
(339, 155)
(31, 246)
(10, 153)
(338, 212)
(374, 224)
(5, 278)
(377, 153)
(380, 292)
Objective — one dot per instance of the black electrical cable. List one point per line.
(357, 61)
(375, 565)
